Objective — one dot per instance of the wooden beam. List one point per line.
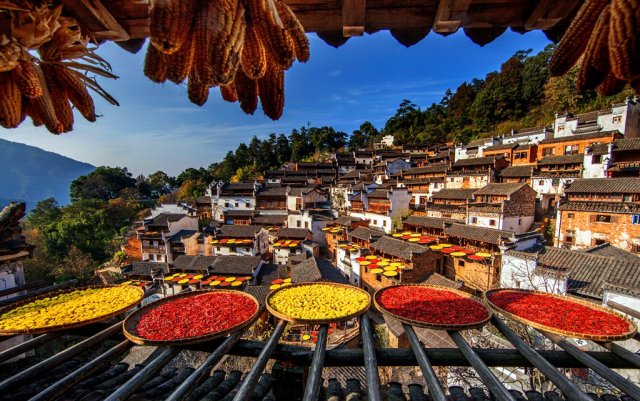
(548, 13)
(93, 14)
(353, 17)
(449, 15)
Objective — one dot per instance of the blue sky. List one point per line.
(157, 128)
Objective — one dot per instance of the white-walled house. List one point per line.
(474, 148)
(623, 117)
(240, 240)
(381, 206)
(504, 206)
(157, 231)
(238, 196)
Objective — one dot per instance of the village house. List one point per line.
(475, 173)
(198, 244)
(589, 273)
(299, 200)
(240, 240)
(293, 242)
(313, 269)
(515, 174)
(200, 206)
(623, 117)
(507, 150)
(508, 207)
(156, 232)
(474, 148)
(482, 274)
(326, 172)
(427, 225)
(417, 263)
(574, 144)
(176, 243)
(14, 249)
(528, 136)
(380, 207)
(525, 154)
(194, 264)
(354, 176)
(345, 162)
(598, 211)
(227, 197)
(385, 169)
(144, 271)
(364, 236)
(618, 159)
(272, 200)
(421, 190)
(364, 157)
(450, 203)
(442, 156)
(552, 176)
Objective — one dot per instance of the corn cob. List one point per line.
(28, 81)
(224, 72)
(295, 30)
(197, 91)
(222, 41)
(170, 23)
(205, 23)
(595, 64)
(576, 37)
(32, 112)
(58, 98)
(76, 91)
(43, 108)
(10, 101)
(276, 40)
(155, 65)
(254, 55)
(9, 55)
(247, 91)
(611, 85)
(271, 91)
(624, 44)
(179, 63)
(228, 93)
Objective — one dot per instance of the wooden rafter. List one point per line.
(449, 15)
(548, 13)
(353, 17)
(93, 14)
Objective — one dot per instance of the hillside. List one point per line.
(31, 174)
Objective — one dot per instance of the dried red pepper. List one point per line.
(562, 314)
(194, 316)
(431, 305)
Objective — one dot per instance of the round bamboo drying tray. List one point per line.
(435, 326)
(129, 325)
(49, 329)
(291, 319)
(584, 336)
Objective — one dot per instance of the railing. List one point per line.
(154, 249)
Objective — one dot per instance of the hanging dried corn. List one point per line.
(605, 34)
(226, 43)
(43, 68)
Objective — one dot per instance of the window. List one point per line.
(548, 151)
(571, 150)
(519, 222)
(237, 204)
(306, 224)
(635, 248)
(571, 215)
(492, 222)
(560, 128)
(226, 204)
(596, 159)
(602, 218)
(298, 223)
(247, 205)
(635, 219)
(616, 119)
(461, 263)
(384, 223)
(474, 220)
(569, 237)
(540, 182)
(626, 198)
(597, 241)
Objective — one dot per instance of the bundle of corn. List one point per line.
(45, 87)
(243, 47)
(605, 34)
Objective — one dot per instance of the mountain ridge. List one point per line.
(31, 174)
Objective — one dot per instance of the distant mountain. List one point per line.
(30, 174)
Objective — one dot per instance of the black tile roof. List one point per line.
(314, 269)
(194, 262)
(607, 249)
(623, 185)
(429, 168)
(347, 220)
(454, 193)
(623, 145)
(478, 142)
(260, 292)
(506, 146)
(570, 138)
(398, 248)
(378, 194)
(442, 281)
(485, 208)
(139, 268)
(271, 219)
(182, 234)
(269, 272)
(365, 233)
(477, 161)
(293, 233)
(562, 159)
(430, 222)
(481, 234)
(505, 189)
(163, 219)
(240, 265)
(517, 171)
(238, 231)
(607, 207)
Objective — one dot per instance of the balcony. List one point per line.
(154, 249)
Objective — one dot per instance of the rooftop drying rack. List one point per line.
(480, 359)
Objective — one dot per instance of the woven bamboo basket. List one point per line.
(584, 336)
(70, 326)
(434, 326)
(291, 319)
(130, 324)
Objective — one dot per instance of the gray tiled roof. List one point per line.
(569, 138)
(295, 233)
(431, 222)
(484, 208)
(500, 147)
(562, 159)
(139, 268)
(163, 219)
(238, 231)
(482, 234)
(429, 168)
(259, 292)
(517, 171)
(621, 145)
(607, 249)
(500, 189)
(241, 265)
(455, 193)
(194, 263)
(397, 247)
(610, 207)
(271, 219)
(629, 185)
(366, 233)
(315, 269)
(476, 161)
(442, 281)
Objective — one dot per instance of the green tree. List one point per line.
(103, 183)
(191, 189)
(45, 212)
(159, 183)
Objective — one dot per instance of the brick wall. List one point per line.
(423, 265)
(480, 276)
(620, 232)
(521, 203)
